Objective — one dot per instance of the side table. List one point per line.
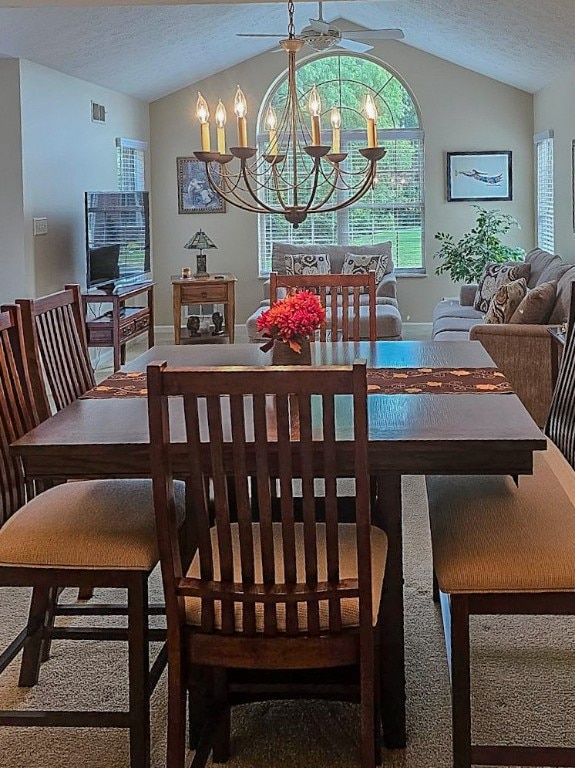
(205, 290)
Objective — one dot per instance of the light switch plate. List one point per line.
(41, 226)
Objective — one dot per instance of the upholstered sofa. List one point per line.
(388, 318)
(521, 351)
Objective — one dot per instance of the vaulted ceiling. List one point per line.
(149, 50)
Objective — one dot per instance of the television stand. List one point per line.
(115, 327)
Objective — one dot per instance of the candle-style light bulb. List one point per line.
(336, 127)
(203, 114)
(241, 110)
(271, 122)
(221, 118)
(314, 106)
(370, 111)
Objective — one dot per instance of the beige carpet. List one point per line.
(523, 672)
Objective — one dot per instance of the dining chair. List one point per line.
(352, 295)
(95, 533)
(273, 596)
(501, 548)
(56, 349)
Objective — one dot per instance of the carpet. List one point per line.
(523, 673)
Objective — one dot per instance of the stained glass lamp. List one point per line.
(200, 241)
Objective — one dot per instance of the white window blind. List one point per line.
(545, 200)
(131, 164)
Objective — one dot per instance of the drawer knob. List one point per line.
(204, 294)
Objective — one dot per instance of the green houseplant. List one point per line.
(464, 260)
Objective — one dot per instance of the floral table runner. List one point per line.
(383, 381)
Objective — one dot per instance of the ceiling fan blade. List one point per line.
(319, 25)
(244, 34)
(355, 46)
(375, 34)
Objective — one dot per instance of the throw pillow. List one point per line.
(537, 305)
(506, 300)
(356, 264)
(494, 276)
(307, 264)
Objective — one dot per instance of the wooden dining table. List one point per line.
(411, 432)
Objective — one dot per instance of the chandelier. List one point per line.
(296, 174)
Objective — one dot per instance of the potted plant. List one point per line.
(465, 260)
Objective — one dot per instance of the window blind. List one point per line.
(131, 164)
(545, 200)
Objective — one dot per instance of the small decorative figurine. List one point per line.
(194, 325)
(218, 320)
(186, 273)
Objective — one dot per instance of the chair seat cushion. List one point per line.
(92, 524)
(491, 536)
(348, 570)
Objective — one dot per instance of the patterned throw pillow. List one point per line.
(307, 264)
(536, 307)
(354, 264)
(494, 276)
(506, 300)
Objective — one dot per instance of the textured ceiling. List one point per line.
(150, 50)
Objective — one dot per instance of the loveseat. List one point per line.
(388, 318)
(521, 351)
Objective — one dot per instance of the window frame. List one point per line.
(384, 134)
(545, 191)
(136, 180)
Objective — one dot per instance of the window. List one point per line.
(544, 200)
(394, 209)
(131, 164)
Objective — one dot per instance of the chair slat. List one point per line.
(331, 515)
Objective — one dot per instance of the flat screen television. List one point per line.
(117, 238)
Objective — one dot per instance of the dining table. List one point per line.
(433, 408)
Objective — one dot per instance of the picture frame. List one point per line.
(195, 195)
(479, 176)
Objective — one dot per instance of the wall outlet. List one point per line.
(40, 226)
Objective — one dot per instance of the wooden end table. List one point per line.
(205, 290)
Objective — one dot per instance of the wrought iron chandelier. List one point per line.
(296, 175)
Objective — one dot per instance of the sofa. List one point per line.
(388, 318)
(521, 351)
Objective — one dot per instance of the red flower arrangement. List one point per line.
(292, 319)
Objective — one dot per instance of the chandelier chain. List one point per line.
(291, 25)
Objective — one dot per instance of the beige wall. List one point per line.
(17, 273)
(461, 110)
(63, 155)
(554, 109)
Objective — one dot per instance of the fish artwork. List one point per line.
(483, 177)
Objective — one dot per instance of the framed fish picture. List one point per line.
(473, 176)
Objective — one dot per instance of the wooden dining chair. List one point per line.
(56, 349)
(352, 295)
(264, 595)
(506, 549)
(98, 533)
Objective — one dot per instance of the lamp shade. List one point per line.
(200, 241)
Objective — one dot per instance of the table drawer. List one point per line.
(204, 294)
(127, 330)
(142, 323)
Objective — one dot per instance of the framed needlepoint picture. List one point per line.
(195, 194)
(477, 176)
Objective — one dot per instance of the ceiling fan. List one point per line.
(321, 35)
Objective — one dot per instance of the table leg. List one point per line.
(177, 307)
(388, 516)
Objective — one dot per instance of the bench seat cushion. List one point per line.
(491, 536)
(92, 524)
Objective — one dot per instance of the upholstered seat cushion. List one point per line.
(90, 524)
(491, 536)
(348, 570)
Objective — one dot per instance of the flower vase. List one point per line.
(283, 354)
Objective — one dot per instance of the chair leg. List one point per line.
(198, 705)
(37, 620)
(221, 749)
(139, 669)
(460, 682)
(435, 588)
(85, 593)
(176, 748)
(367, 701)
(50, 618)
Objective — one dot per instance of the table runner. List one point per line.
(387, 381)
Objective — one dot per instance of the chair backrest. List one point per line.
(56, 347)
(17, 410)
(335, 290)
(561, 420)
(271, 426)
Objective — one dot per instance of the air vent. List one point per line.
(98, 113)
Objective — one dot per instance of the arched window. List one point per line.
(393, 210)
